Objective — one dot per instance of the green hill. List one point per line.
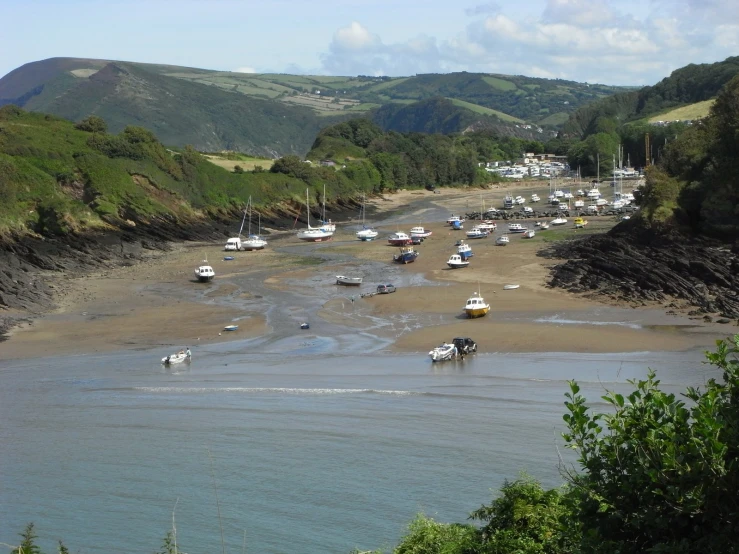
(272, 114)
(687, 85)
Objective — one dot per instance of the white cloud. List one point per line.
(582, 40)
(245, 69)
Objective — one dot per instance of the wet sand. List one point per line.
(158, 302)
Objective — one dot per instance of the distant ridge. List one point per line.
(275, 114)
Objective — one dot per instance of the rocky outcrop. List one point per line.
(635, 265)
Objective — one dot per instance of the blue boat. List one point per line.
(406, 255)
(228, 258)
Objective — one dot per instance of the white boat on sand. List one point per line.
(456, 261)
(420, 233)
(558, 221)
(502, 240)
(313, 234)
(348, 281)
(476, 306)
(205, 273)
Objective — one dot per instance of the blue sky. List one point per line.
(624, 42)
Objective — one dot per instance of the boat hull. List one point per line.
(348, 281)
(476, 312)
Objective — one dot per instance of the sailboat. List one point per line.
(326, 225)
(313, 234)
(367, 233)
(253, 242)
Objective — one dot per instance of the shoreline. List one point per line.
(156, 303)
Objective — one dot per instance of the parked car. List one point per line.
(465, 345)
(385, 289)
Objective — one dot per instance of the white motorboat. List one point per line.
(579, 203)
(516, 228)
(399, 239)
(455, 218)
(205, 273)
(445, 351)
(313, 234)
(177, 358)
(420, 233)
(519, 200)
(464, 250)
(487, 225)
(535, 198)
(510, 287)
(593, 193)
(528, 210)
(529, 234)
(348, 281)
(558, 193)
(558, 221)
(476, 233)
(456, 261)
(544, 225)
(476, 306)
(502, 240)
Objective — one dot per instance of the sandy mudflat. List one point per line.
(157, 302)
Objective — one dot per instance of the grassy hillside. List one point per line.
(699, 110)
(688, 85)
(269, 114)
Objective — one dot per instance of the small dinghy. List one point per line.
(230, 327)
(304, 325)
(228, 258)
(510, 287)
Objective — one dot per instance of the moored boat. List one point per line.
(420, 232)
(487, 225)
(406, 255)
(313, 234)
(580, 222)
(177, 358)
(476, 233)
(456, 261)
(502, 240)
(348, 281)
(399, 239)
(205, 273)
(464, 250)
(476, 306)
(558, 221)
(516, 228)
(529, 234)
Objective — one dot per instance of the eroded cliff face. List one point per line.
(633, 265)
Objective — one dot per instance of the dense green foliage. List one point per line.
(415, 159)
(621, 119)
(696, 185)
(656, 474)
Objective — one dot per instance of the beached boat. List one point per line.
(455, 219)
(544, 225)
(367, 233)
(348, 281)
(476, 306)
(529, 234)
(230, 327)
(580, 222)
(508, 202)
(510, 287)
(305, 325)
(326, 225)
(487, 225)
(253, 242)
(516, 228)
(205, 273)
(579, 203)
(456, 261)
(313, 234)
(464, 250)
(558, 221)
(406, 255)
(177, 358)
(502, 240)
(399, 239)
(420, 233)
(477, 233)
(443, 352)
(535, 198)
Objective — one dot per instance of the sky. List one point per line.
(617, 42)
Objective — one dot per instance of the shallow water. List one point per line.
(309, 451)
